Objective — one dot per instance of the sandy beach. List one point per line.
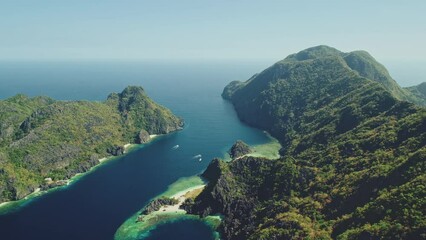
(152, 136)
(181, 197)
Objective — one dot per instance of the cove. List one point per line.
(97, 204)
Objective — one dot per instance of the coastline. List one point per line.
(181, 197)
(139, 226)
(11, 206)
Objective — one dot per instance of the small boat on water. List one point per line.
(175, 147)
(200, 159)
(197, 156)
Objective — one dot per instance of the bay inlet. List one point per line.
(96, 205)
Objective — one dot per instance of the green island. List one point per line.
(352, 157)
(44, 142)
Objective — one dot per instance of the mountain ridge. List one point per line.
(359, 61)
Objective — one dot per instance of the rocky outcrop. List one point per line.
(239, 149)
(156, 204)
(142, 137)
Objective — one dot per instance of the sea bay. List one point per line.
(98, 203)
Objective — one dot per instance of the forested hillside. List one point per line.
(44, 138)
(353, 154)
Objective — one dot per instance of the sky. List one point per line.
(216, 29)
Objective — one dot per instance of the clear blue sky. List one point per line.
(215, 29)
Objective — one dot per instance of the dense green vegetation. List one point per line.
(43, 138)
(352, 161)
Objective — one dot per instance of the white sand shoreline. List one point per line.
(185, 191)
(180, 196)
(152, 136)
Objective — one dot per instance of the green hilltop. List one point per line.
(352, 161)
(44, 138)
(360, 62)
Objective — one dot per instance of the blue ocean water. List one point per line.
(96, 205)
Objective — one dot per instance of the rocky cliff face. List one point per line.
(43, 138)
(142, 137)
(225, 194)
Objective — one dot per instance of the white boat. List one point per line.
(197, 156)
(175, 147)
(200, 159)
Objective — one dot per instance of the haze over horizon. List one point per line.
(267, 30)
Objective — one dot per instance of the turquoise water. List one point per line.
(98, 203)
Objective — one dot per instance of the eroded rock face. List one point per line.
(142, 137)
